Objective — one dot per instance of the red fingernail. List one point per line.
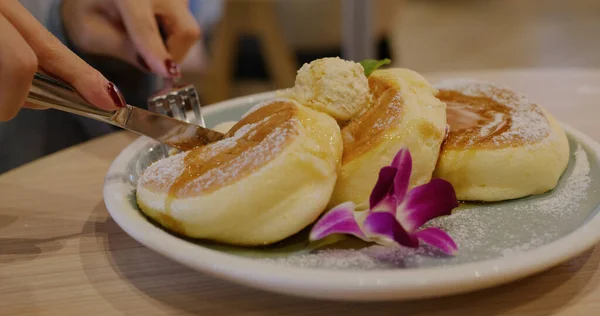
(172, 68)
(116, 95)
(142, 62)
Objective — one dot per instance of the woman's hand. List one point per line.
(129, 30)
(26, 47)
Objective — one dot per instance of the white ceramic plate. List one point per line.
(498, 242)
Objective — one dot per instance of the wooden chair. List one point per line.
(263, 20)
(248, 17)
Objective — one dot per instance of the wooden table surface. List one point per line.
(62, 254)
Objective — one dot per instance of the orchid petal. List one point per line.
(425, 202)
(437, 238)
(384, 225)
(339, 220)
(383, 186)
(388, 204)
(403, 162)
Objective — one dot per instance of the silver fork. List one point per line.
(179, 102)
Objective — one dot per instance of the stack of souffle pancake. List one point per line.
(289, 160)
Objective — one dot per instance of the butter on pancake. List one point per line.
(500, 145)
(404, 112)
(334, 86)
(269, 178)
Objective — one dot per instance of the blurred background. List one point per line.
(251, 46)
(257, 45)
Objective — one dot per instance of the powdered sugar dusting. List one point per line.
(528, 122)
(492, 126)
(481, 231)
(565, 201)
(248, 160)
(368, 258)
(164, 171)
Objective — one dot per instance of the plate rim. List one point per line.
(352, 285)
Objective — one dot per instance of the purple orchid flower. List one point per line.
(395, 213)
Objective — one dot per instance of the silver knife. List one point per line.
(53, 93)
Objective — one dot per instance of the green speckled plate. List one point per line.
(498, 242)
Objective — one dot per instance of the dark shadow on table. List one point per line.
(25, 249)
(198, 293)
(19, 297)
(6, 220)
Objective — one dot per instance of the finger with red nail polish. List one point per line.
(50, 55)
(173, 68)
(116, 95)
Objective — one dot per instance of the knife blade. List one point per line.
(53, 93)
(167, 130)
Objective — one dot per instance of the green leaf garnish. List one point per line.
(371, 65)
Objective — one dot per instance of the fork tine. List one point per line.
(160, 105)
(186, 106)
(185, 97)
(176, 105)
(189, 103)
(181, 103)
(194, 104)
(154, 106)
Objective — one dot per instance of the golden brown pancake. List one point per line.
(404, 113)
(251, 187)
(500, 145)
(207, 168)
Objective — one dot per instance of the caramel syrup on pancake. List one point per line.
(367, 130)
(474, 121)
(199, 161)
